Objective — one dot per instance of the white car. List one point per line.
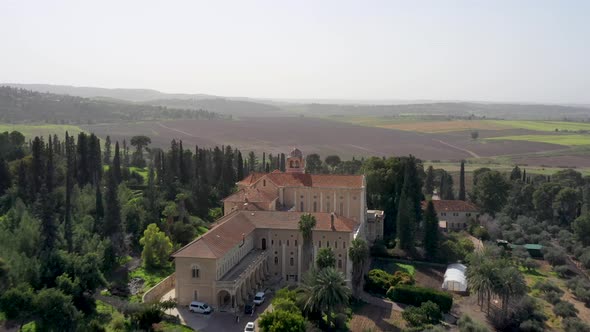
(249, 327)
(199, 307)
(259, 298)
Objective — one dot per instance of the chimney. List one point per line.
(332, 221)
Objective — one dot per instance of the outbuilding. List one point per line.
(455, 278)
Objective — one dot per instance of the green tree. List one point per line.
(543, 199)
(515, 174)
(581, 227)
(462, 195)
(5, 177)
(117, 164)
(17, 304)
(405, 223)
(281, 321)
(467, 324)
(307, 223)
(157, 247)
(140, 143)
(55, 311)
(491, 192)
(429, 182)
(431, 235)
(359, 253)
(325, 291)
(313, 164)
(333, 161)
(106, 159)
(567, 203)
(325, 258)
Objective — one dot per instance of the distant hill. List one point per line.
(225, 105)
(246, 107)
(20, 105)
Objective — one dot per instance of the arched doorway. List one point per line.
(263, 244)
(223, 298)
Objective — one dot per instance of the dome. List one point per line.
(296, 153)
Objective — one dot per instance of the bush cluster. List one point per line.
(415, 296)
(379, 281)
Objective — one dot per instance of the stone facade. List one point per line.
(258, 237)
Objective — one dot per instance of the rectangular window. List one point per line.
(320, 243)
(336, 244)
(339, 263)
(195, 272)
(296, 243)
(315, 206)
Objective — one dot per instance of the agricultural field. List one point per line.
(561, 139)
(32, 130)
(543, 125)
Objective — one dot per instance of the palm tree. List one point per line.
(359, 253)
(307, 223)
(481, 276)
(325, 291)
(509, 283)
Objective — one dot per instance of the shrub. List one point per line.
(467, 324)
(417, 295)
(565, 309)
(379, 281)
(428, 313)
(546, 286)
(552, 297)
(574, 325)
(562, 270)
(555, 256)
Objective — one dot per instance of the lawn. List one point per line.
(566, 140)
(30, 131)
(150, 278)
(543, 125)
(391, 266)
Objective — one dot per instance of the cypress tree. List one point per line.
(406, 217)
(21, 183)
(5, 178)
(50, 168)
(282, 168)
(48, 226)
(37, 166)
(125, 154)
(431, 235)
(263, 167)
(112, 217)
(69, 184)
(515, 174)
(99, 209)
(524, 175)
(240, 166)
(83, 168)
(107, 151)
(94, 160)
(462, 182)
(116, 167)
(429, 182)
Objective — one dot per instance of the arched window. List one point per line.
(320, 243)
(315, 206)
(341, 208)
(292, 261)
(264, 183)
(195, 271)
(336, 244)
(328, 244)
(296, 243)
(301, 206)
(276, 261)
(287, 243)
(339, 263)
(263, 244)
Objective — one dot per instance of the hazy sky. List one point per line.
(536, 51)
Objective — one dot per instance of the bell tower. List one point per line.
(295, 162)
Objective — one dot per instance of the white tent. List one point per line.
(455, 279)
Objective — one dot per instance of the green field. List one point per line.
(566, 140)
(543, 125)
(30, 131)
(500, 164)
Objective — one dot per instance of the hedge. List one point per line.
(415, 296)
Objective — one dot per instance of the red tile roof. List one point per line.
(451, 206)
(283, 179)
(252, 195)
(228, 231)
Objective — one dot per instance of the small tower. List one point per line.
(295, 162)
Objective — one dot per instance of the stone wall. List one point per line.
(155, 293)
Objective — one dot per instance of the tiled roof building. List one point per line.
(258, 237)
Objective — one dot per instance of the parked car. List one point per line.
(249, 327)
(200, 307)
(259, 298)
(249, 309)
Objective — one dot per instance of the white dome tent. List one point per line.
(455, 279)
